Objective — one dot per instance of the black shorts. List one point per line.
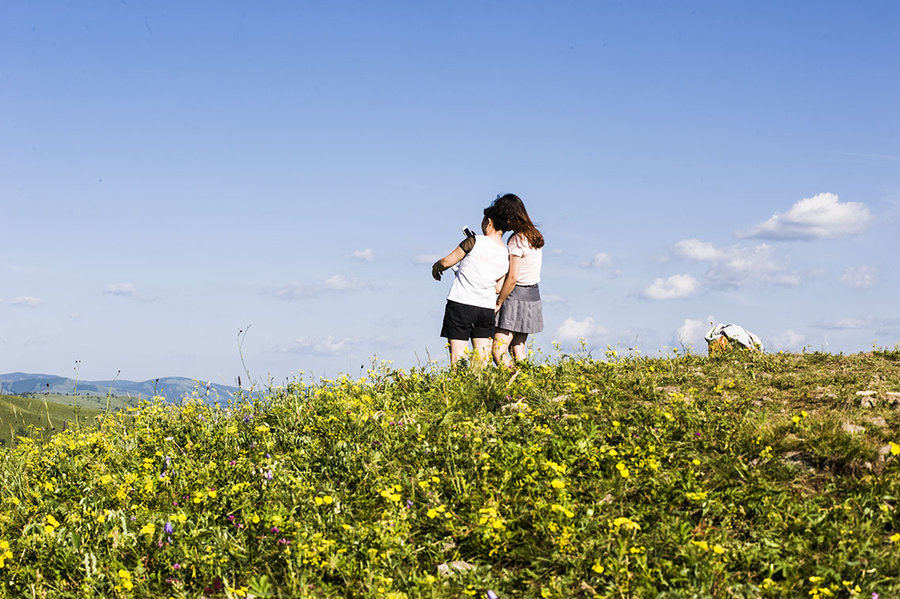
(464, 322)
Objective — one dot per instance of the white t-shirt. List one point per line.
(476, 277)
(530, 259)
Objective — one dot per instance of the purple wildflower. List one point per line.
(169, 528)
(492, 595)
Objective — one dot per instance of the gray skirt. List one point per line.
(521, 312)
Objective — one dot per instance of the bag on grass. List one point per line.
(723, 336)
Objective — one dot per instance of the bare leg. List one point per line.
(457, 349)
(502, 339)
(482, 350)
(517, 346)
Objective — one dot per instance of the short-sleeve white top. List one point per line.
(530, 262)
(476, 277)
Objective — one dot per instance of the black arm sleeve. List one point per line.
(467, 244)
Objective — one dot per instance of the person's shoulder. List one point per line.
(468, 244)
(519, 241)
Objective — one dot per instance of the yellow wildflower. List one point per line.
(5, 553)
(125, 580)
(626, 523)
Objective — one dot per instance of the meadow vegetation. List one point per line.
(42, 415)
(743, 475)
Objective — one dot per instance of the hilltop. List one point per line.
(743, 475)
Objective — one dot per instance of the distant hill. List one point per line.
(19, 414)
(172, 389)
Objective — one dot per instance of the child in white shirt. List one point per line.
(483, 261)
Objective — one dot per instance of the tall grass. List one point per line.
(748, 475)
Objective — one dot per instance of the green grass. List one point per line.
(747, 475)
(38, 415)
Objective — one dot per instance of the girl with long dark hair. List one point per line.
(518, 307)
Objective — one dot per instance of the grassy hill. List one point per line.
(746, 475)
(19, 414)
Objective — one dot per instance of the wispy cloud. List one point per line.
(860, 277)
(674, 287)
(738, 266)
(847, 324)
(789, 340)
(822, 216)
(320, 346)
(600, 260)
(27, 301)
(329, 345)
(366, 255)
(692, 331)
(333, 284)
(694, 249)
(572, 331)
(122, 289)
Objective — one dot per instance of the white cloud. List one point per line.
(790, 340)
(27, 301)
(329, 345)
(123, 289)
(342, 283)
(600, 260)
(692, 332)
(745, 266)
(573, 330)
(552, 299)
(335, 283)
(366, 255)
(738, 266)
(694, 249)
(320, 346)
(426, 258)
(674, 287)
(819, 217)
(848, 324)
(860, 277)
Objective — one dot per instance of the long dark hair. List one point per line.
(518, 219)
(501, 214)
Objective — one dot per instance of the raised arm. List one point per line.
(446, 262)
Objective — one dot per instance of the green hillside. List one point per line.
(19, 414)
(745, 475)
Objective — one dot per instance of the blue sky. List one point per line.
(171, 172)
